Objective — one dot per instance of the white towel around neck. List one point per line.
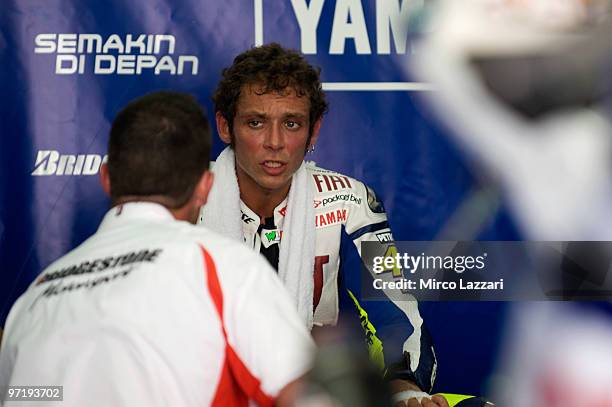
(297, 248)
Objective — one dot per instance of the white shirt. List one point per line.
(152, 311)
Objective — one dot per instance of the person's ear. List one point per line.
(105, 179)
(203, 188)
(315, 133)
(223, 128)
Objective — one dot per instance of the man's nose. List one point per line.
(274, 138)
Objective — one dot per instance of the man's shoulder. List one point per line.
(328, 181)
(334, 187)
(174, 237)
(179, 243)
(213, 240)
(123, 242)
(239, 268)
(221, 248)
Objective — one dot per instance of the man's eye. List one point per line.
(292, 125)
(255, 124)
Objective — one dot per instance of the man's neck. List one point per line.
(263, 203)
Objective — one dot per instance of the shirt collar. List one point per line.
(135, 211)
(253, 219)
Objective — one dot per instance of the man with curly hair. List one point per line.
(307, 221)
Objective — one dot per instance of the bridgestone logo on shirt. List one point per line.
(92, 266)
(58, 288)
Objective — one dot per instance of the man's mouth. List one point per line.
(272, 164)
(273, 167)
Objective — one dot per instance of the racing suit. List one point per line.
(150, 311)
(347, 212)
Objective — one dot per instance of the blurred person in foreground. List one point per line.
(152, 310)
(524, 88)
(307, 221)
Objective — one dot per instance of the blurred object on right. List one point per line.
(556, 355)
(525, 91)
(524, 88)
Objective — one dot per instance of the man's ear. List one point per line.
(105, 179)
(203, 188)
(223, 128)
(315, 133)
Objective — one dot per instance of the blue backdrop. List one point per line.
(69, 66)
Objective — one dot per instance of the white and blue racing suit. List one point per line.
(347, 212)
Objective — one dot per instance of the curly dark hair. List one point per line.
(274, 68)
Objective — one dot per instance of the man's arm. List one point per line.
(395, 331)
(397, 339)
(268, 338)
(399, 344)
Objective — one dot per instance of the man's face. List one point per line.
(270, 132)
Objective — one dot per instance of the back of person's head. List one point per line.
(159, 147)
(274, 69)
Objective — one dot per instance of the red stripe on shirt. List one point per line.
(237, 383)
